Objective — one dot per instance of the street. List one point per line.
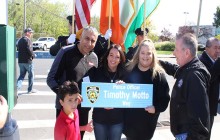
(35, 113)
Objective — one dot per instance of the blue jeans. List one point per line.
(108, 132)
(24, 68)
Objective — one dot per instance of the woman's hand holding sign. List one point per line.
(150, 109)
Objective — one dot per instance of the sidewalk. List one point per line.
(163, 133)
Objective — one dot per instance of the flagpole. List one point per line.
(73, 17)
(109, 19)
(144, 17)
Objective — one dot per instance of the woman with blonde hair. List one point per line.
(140, 123)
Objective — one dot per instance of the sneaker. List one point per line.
(32, 91)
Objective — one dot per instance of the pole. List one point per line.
(73, 17)
(199, 14)
(186, 13)
(109, 19)
(24, 14)
(144, 18)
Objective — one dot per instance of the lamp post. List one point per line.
(24, 14)
(198, 20)
(186, 13)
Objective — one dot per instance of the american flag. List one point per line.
(82, 10)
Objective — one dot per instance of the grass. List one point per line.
(165, 52)
(171, 52)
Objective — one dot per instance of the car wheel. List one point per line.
(44, 47)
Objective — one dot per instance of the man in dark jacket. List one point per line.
(72, 63)
(189, 106)
(25, 58)
(208, 58)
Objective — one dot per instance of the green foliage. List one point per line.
(165, 52)
(153, 37)
(165, 46)
(216, 22)
(44, 17)
(218, 37)
(95, 22)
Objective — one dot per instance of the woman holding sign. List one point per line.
(108, 122)
(140, 123)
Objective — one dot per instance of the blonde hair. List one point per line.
(155, 66)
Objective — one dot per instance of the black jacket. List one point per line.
(214, 84)
(101, 115)
(101, 47)
(130, 53)
(25, 50)
(61, 42)
(139, 124)
(189, 105)
(69, 64)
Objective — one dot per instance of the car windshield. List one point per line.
(42, 39)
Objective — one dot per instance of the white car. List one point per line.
(43, 43)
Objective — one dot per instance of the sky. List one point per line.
(170, 13)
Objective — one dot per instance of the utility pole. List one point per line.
(199, 14)
(186, 13)
(24, 14)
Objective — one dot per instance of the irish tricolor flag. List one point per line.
(127, 15)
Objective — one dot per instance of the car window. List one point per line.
(52, 39)
(42, 39)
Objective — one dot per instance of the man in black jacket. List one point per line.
(72, 63)
(25, 60)
(208, 58)
(189, 105)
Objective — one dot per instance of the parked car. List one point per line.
(43, 43)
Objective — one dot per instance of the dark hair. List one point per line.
(104, 61)
(68, 88)
(69, 18)
(139, 31)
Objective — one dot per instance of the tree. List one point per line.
(216, 22)
(95, 22)
(46, 18)
(166, 35)
(186, 29)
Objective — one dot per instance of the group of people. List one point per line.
(78, 63)
(193, 102)
(194, 98)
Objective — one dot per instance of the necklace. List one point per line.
(112, 76)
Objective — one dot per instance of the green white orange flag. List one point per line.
(127, 15)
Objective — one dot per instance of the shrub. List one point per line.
(218, 37)
(165, 46)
